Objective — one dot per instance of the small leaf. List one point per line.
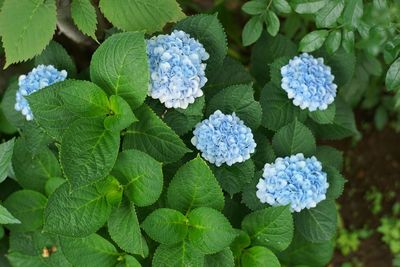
(257, 257)
(6, 217)
(181, 254)
(336, 182)
(241, 242)
(249, 197)
(129, 261)
(313, 40)
(8, 106)
(252, 30)
(281, 6)
(84, 15)
(333, 41)
(393, 76)
(52, 184)
(324, 116)
(255, 7)
(6, 152)
(224, 258)
(166, 226)
(330, 156)
(308, 6)
(56, 55)
(264, 152)
(329, 14)
(122, 116)
(353, 12)
(348, 41)
(272, 22)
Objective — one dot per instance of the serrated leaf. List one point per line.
(178, 255)
(336, 182)
(194, 185)
(308, 6)
(81, 212)
(255, 7)
(329, 14)
(209, 230)
(6, 152)
(270, 227)
(6, 217)
(238, 99)
(88, 151)
(252, 30)
(18, 259)
(119, 66)
(333, 41)
(317, 224)
(26, 206)
(313, 40)
(141, 15)
(84, 15)
(324, 116)
(92, 251)
(233, 178)
(152, 136)
(392, 80)
(330, 156)
(27, 36)
(353, 12)
(224, 258)
(122, 116)
(249, 197)
(124, 229)
(140, 175)
(52, 184)
(258, 256)
(56, 55)
(264, 152)
(166, 226)
(208, 30)
(272, 22)
(129, 261)
(275, 70)
(292, 139)
(281, 6)
(241, 242)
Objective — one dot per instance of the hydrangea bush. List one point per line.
(166, 150)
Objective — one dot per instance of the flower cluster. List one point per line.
(177, 71)
(296, 181)
(309, 82)
(38, 78)
(223, 139)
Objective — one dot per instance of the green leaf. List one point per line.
(91, 251)
(124, 229)
(281, 6)
(6, 217)
(120, 67)
(35, 138)
(6, 126)
(33, 170)
(292, 139)
(129, 261)
(353, 12)
(152, 136)
(393, 76)
(252, 30)
(324, 116)
(140, 175)
(6, 152)
(258, 256)
(88, 151)
(27, 36)
(26, 206)
(141, 15)
(270, 227)
(333, 41)
(238, 99)
(166, 226)
(18, 259)
(52, 184)
(122, 115)
(255, 7)
(330, 156)
(308, 6)
(208, 30)
(233, 178)
(317, 224)
(275, 71)
(272, 22)
(194, 185)
(179, 255)
(249, 197)
(336, 182)
(84, 15)
(241, 242)
(313, 40)
(264, 152)
(209, 230)
(8, 106)
(81, 212)
(348, 41)
(57, 106)
(56, 55)
(224, 258)
(329, 14)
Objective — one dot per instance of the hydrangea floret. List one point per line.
(224, 139)
(309, 82)
(37, 79)
(177, 69)
(294, 180)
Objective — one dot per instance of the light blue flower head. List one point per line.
(223, 139)
(296, 181)
(309, 82)
(38, 78)
(177, 71)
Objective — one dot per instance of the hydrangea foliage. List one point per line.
(177, 69)
(294, 180)
(224, 139)
(37, 79)
(309, 82)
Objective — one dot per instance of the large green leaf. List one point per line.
(178, 255)
(194, 185)
(56, 55)
(270, 227)
(88, 151)
(140, 175)
(209, 230)
(81, 212)
(141, 15)
(6, 152)
(119, 66)
(258, 257)
(152, 136)
(6, 217)
(224, 258)
(26, 27)
(84, 15)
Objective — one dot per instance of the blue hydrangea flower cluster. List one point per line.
(38, 78)
(177, 71)
(309, 82)
(296, 181)
(223, 139)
